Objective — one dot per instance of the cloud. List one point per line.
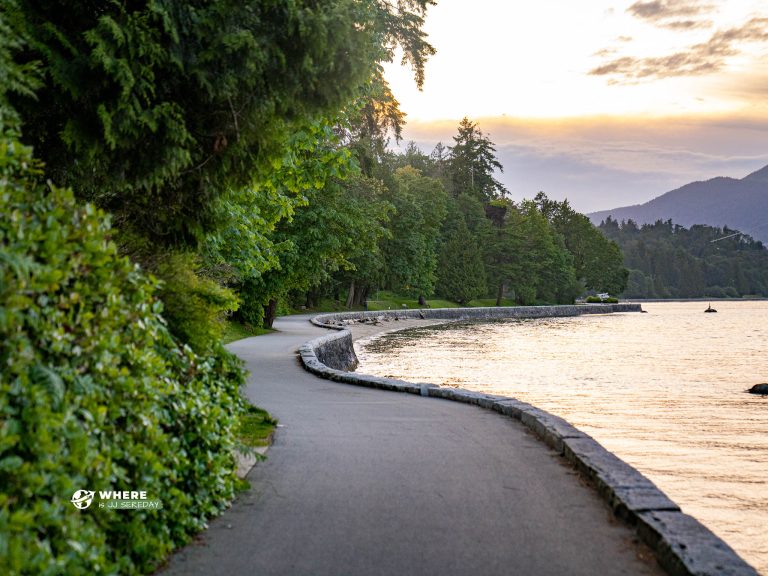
(601, 163)
(679, 15)
(699, 59)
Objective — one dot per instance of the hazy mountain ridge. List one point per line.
(722, 201)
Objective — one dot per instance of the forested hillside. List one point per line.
(669, 261)
(740, 204)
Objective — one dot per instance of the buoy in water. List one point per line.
(710, 309)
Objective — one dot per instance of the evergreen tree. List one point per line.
(154, 110)
(505, 256)
(597, 260)
(461, 272)
(411, 250)
(472, 163)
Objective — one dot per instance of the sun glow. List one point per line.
(538, 60)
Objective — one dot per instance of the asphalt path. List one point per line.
(368, 482)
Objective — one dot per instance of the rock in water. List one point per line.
(759, 389)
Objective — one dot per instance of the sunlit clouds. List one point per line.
(607, 103)
(602, 162)
(674, 14)
(700, 59)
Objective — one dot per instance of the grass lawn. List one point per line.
(491, 302)
(390, 301)
(256, 427)
(236, 331)
(384, 300)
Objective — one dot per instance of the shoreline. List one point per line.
(681, 543)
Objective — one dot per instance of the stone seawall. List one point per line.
(682, 544)
(336, 350)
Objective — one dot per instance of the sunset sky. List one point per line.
(606, 103)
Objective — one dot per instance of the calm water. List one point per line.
(663, 390)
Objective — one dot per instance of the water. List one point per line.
(664, 390)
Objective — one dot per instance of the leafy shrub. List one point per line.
(193, 305)
(96, 394)
(598, 300)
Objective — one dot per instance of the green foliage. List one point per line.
(167, 105)
(598, 261)
(670, 261)
(194, 306)
(340, 223)
(95, 394)
(598, 300)
(246, 247)
(256, 427)
(411, 251)
(374, 117)
(550, 265)
(473, 162)
(16, 78)
(461, 272)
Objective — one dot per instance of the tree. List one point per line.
(16, 78)
(461, 274)
(340, 222)
(505, 256)
(411, 251)
(373, 118)
(153, 110)
(670, 261)
(597, 260)
(473, 162)
(549, 267)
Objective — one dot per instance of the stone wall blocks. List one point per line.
(685, 547)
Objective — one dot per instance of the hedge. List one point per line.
(96, 394)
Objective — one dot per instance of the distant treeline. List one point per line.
(666, 260)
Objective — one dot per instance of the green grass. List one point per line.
(256, 427)
(490, 302)
(385, 300)
(236, 331)
(325, 305)
(390, 301)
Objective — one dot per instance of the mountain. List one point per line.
(739, 204)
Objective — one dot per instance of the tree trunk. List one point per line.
(351, 295)
(500, 294)
(270, 311)
(422, 300)
(362, 294)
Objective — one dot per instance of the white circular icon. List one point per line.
(82, 499)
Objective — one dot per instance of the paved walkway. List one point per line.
(366, 482)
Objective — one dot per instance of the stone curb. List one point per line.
(683, 546)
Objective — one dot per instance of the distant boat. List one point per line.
(710, 309)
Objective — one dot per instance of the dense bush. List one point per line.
(193, 305)
(598, 300)
(95, 394)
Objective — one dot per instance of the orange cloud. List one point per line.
(699, 59)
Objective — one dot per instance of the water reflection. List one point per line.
(663, 390)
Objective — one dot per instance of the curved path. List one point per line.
(366, 482)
